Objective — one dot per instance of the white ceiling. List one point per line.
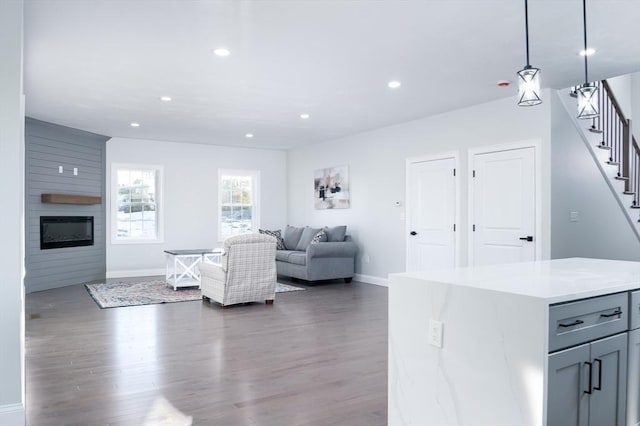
(98, 65)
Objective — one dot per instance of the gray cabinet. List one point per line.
(609, 379)
(633, 389)
(586, 320)
(587, 384)
(568, 404)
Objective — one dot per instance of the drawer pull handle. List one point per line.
(613, 314)
(599, 387)
(589, 391)
(576, 322)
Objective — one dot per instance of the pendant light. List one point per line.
(588, 92)
(528, 77)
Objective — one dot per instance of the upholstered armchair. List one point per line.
(246, 272)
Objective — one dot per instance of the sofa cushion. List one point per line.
(292, 235)
(276, 235)
(298, 258)
(305, 239)
(335, 234)
(283, 255)
(320, 237)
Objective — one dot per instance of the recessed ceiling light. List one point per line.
(587, 52)
(165, 98)
(248, 135)
(394, 84)
(221, 52)
(135, 124)
(304, 116)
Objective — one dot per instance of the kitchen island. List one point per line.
(539, 343)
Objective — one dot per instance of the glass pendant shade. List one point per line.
(588, 101)
(587, 93)
(529, 86)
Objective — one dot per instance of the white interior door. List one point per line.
(431, 213)
(504, 207)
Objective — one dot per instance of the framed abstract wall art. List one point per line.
(331, 188)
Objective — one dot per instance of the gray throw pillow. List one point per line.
(307, 236)
(335, 233)
(276, 234)
(291, 237)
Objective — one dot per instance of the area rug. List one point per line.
(118, 294)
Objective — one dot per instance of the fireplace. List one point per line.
(65, 231)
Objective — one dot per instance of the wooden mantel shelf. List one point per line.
(70, 199)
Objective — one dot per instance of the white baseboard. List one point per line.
(12, 415)
(136, 273)
(370, 279)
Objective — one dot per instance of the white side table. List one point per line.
(182, 266)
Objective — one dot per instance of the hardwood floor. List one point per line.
(315, 357)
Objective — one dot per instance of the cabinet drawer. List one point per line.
(585, 320)
(634, 310)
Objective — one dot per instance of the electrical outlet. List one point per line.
(574, 216)
(75, 171)
(60, 169)
(366, 258)
(435, 333)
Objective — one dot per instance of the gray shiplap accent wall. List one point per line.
(47, 147)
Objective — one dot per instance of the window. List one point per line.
(135, 201)
(238, 201)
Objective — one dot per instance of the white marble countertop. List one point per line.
(554, 281)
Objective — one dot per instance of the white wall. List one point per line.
(12, 215)
(621, 88)
(578, 186)
(376, 163)
(626, 89)
(190, 196)
(635, 100)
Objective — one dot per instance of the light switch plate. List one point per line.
(434, 337)
(574, 216)
(75, 171)
(60, 169)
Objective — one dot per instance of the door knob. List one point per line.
(527, 238)
(413, 233)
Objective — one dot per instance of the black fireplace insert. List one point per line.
(65, 231)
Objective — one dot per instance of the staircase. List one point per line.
(615, 149)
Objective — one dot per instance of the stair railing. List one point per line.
(617, 138)
(634, 173)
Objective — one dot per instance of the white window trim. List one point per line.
(255, 219)
(113, 203)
